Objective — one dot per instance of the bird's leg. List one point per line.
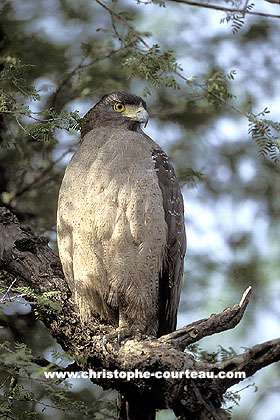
(124, 330)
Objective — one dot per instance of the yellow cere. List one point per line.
(130, 111)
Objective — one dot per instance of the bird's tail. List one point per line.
(134, 409)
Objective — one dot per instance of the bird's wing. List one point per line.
(170, 280)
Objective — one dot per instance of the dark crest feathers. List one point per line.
(123, 97)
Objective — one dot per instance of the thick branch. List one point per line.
(28, 260)
(223, 321)
(249, 362)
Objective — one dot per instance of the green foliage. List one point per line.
(14, 89)
(217, 356)
(19, 356)
(153, 66)
(44, 128)
(43, 303)
(237, 19)
(262, 130)
(190, 177)
(159, 3)
(27, 394)
(217, 87)
(13, 84)
(233, 398)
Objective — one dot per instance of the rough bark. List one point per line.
(26, 259)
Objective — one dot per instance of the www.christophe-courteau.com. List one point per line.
(138, 374)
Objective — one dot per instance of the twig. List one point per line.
(37, 178)
(125, 23)
(223, 321)
(11, 299)
(8, 94)
(225, 9)
(4, 383)
(215, 96)
(16, 299)
(219, 98)
(138, 36)
(104, 57)
(45, 404)
(249, 362)
(23, 128)
(64, 81)
(115, 29)
(8, 290)
(80, 66)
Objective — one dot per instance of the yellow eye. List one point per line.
(119, 107)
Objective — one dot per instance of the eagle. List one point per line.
(120, 225)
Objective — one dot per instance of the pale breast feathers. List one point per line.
(112, 230)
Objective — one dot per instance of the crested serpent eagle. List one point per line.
(121, 233)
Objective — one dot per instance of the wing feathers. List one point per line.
(171, 277)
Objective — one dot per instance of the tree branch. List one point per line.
(124, 22)
(27, 260)
(178, 73)
(226, 9)
(80, 67)
(223, 321)
(41, 178)
(249, 362)
(273, 1)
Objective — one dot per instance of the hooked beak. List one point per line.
(136, 114)
(142, 116)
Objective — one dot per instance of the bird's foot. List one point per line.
(117, 337)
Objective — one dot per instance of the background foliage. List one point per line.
(211, 79)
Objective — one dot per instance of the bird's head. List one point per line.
(117, 109)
